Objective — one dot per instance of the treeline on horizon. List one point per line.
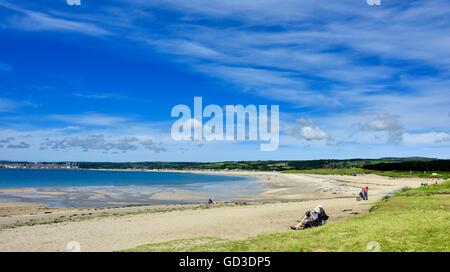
(434, 165)
(383, 164)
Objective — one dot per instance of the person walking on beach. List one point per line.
(366, 193)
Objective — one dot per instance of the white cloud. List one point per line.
(313, 133)
(286, 51)
(154, 146)
(294, 61)
(309, 131)
(193, 124)
(100, 142)
(35, 21)
(426, 138)
(388, 123)
(90, 119)
(288, 65)
(73, 2)
(41, 21)
(185, 47)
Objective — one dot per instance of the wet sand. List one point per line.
(284, 199)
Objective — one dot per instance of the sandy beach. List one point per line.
(283, 199)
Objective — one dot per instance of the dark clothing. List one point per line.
(361, 195)
(323, 217)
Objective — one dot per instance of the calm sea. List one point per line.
(90, 188)
(26, 178)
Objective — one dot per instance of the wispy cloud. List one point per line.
(426, 138)
(284, 52)
(103, 143)
(284, 48)
(11, 105)
(21, 145)
(34, 21)
(6, 141)
(339, 62)
(384, 122)
(90, 119)
(98, 95)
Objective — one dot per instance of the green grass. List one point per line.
(412, 220)
(326, 171)
(360, 171)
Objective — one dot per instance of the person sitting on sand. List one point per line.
(314, 217)
(304, 223)
(210, 201)
(322, 216)
(360, 195)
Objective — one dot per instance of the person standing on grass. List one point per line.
(366, 193)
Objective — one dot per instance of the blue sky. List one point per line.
(97, 81)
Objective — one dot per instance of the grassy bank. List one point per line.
(412, 220)
(360, 171)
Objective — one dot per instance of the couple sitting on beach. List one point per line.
(313, 218)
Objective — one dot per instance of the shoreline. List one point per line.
(275, 187)
(106, 196)
(270, 187)
(285, 200)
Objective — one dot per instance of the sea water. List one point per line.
(103, 188)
